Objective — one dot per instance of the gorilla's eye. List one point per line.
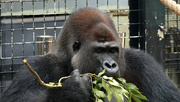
(76, 46)
(114, 50)
(100, 50)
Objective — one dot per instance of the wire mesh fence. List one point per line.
(30, 27)
(172, 45)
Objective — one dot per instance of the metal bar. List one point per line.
(55, 19)
(21, 43)
(35, 15)
(44, 19)
(117, 14)
(17, 57)
(8, 72)
(65, 8)
(1, 78)
(33, 25)
(22, 25)
(107, 5)
(75, 4)
(97, 3)
(133, 17)
(86, 3)
(38, 28)
(12, 39)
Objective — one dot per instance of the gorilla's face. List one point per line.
(93, 57)
(94, 44)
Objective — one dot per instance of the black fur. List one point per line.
(149, 76)
(75, 52)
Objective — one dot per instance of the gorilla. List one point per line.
(89, 43)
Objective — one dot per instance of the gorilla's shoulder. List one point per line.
(135, 56)
(133, 53)
(48, 60)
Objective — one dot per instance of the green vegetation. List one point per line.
(102, 85)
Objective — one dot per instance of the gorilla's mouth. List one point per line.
(109, 73)
(114, 72)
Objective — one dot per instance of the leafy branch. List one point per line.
(51, 84)
(113, 87)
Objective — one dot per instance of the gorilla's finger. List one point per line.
(86, 78)
(75, 72)
(76, 75)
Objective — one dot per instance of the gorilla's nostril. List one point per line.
(110, 65)
(114, 65)
(107, 65)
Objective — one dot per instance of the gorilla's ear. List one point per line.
(76, 46)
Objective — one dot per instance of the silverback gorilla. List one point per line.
(89, 43)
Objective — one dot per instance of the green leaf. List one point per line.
(108, 78)
(136, 93)
(95, 81)
(122, 80)
(118, 94)
(93, 90)
(109, 95)
(128, 98)
(118, 97)
(126, 95)
(114, 83)
(98, 86)
(98, 93)
(108, 89)
(136, 99)
(101, 73)
(99, 100)
(130, 86)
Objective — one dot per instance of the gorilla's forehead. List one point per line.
(102, 33)
(89, 16)
(92, 24)
(104, 44)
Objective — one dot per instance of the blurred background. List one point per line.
(30, 28)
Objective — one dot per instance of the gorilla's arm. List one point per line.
(26, 88)
(75, 89)
(148, 75)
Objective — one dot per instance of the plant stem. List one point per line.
(38, 78)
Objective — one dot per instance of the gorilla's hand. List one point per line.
(83, 81)
(79, 87)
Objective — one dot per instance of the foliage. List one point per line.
(118, 88)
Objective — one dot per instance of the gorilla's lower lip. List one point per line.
(110, 73)
(112, 70)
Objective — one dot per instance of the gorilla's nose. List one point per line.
(110, 66)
